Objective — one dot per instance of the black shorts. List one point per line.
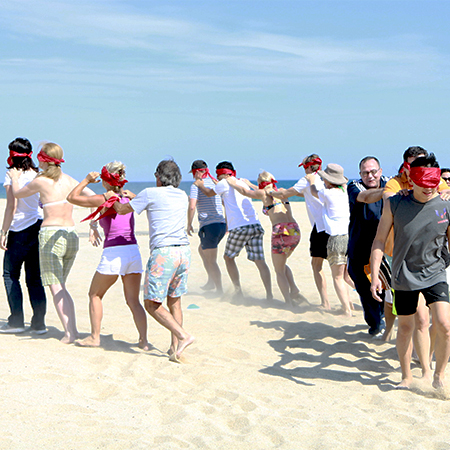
(318, 243)
(212, 234)
(405, 302)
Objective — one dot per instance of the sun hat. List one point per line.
(334, 174)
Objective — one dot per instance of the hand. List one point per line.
(14, 173)
(232, 181)
(190, 230)
(3, 242)
(94, 237)
(198, 182)
(198, 175)
(405, 192)
(445, 195)
(310, 177)
(128, 194)
(376, 288)
(91, 177)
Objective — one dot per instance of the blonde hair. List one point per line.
(116, 167)
(265, 176)
(52, 171)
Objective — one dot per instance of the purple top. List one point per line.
(119, 230)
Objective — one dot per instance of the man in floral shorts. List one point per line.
(168, 265)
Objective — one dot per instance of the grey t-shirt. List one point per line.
(420, 233)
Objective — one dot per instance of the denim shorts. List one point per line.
(167, 272)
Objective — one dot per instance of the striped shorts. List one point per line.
(248, 236)
(58, 247)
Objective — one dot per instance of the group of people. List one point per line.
(38, 233)
(387, 238)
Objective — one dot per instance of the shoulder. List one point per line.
(300, 185)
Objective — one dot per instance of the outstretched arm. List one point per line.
(284, 194)
(384, 227)
(257, 194)
(370, 195)
(29, 189)
(76, 195)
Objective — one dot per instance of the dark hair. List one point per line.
(425, 161)
(21, 145)
(414, 151)
(169, 173)
(368, 158)
(225, 165)
(444, 169)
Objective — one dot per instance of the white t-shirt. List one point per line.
(239, 209)
(28, 211)
(336, 211)
(166, 213)
(313, 204)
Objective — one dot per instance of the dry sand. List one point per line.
(259, 376)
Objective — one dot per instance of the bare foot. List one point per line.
(344, 312)
(88, 342)
(269, 296)
(299, 298)
(183, 343)
(143, 345)
(325, 306)
(438, 382)
(427, 375)
(209, 286)
(405, 384)
(352, 306)
(68, 339)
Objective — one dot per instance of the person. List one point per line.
(212, 224)
(58, 240)
(19, 239)
(365, 199)
(421, 228)
(445, 175)
(336, 217)
(120, 252)
(170, 255)
(285, 231)
(244, 228)
(318, 238)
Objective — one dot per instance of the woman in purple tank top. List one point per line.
(120, 251)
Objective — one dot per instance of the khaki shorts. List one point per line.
(337, 249)
(58, 247)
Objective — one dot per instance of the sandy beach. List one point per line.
(259, 376)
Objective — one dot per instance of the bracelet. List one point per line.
(3, 233)
(93, 225)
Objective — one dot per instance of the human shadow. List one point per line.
(307, 355)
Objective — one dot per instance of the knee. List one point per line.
(406, 328)
(151, 306)
(443, 327)
(316, 264)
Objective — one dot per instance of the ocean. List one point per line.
(138, 186)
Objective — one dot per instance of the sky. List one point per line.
(260, 83)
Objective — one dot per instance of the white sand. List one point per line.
(259, 375)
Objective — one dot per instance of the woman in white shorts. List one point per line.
(120, 252)
(58, 240)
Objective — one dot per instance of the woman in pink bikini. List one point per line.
(285, 231)
(120, 251)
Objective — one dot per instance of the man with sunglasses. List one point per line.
(366, 204)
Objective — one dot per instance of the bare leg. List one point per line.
(174, 305)
(209, 258)
(347, 278)
(421, 336)
(167, 320)
(233, 272)
(131, 287)
(319, 278)
(99, 285)
(65, 308)
(264, 273)
(279, 263)
(337, 270)
(404, 347)
(441, 317)
(433, 334)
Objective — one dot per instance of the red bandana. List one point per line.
(225, 172)
(405, 166)
(314, 162)
(263, 184)
(13, 154)
(43, 157)
(109, 209)
(425, 177)
(112, 178)
(205, 173)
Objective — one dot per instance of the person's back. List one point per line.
(336, 213)
(209, 209)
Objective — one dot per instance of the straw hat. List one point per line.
(334, 174)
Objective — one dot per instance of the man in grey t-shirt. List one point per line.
(421, 229)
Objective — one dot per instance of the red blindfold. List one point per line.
(225, 172)
(112, 178)
(314, 162)
(425, 177)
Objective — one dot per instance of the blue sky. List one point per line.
(259, 83)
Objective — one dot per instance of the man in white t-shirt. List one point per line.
(170, 255)
(319, 237)
(244, 229)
